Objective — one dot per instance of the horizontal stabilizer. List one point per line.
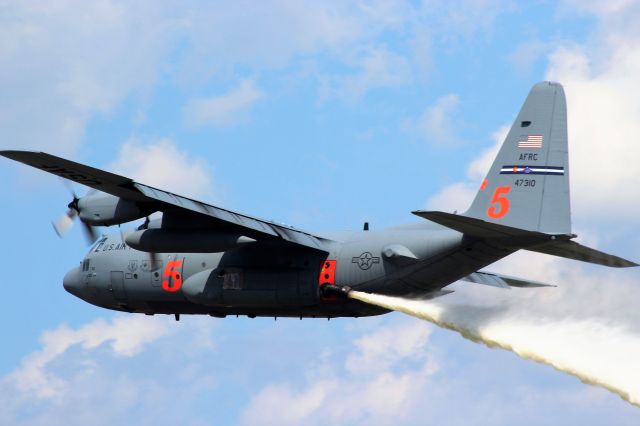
(573, 250)
(556, 245)
(502, 281)
(479, 228)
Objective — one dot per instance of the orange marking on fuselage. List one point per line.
(328, 276)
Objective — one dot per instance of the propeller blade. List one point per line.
(69, 187)
(154, 261)
(90, 233)
(64, 223)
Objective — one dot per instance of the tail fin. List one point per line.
(523, 203)
(527, 186)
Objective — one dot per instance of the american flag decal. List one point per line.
(532, 142)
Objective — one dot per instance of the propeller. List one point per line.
(65, 222)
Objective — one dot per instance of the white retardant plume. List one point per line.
(597, 354)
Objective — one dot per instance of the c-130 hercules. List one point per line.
(202, 259)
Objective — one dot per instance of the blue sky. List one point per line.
(321, 115)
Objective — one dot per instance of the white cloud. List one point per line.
(109, 371)
(458, 196)
(381, 381)
(590, 324)
(279, 404)
(600, 7)
(603, 124)
(479, 167)
(164, 165)
(602, 118)
(106, 372)
(602, 115)
(384, 348)
(283, 30)
(437, 121)
(224, 110)
(66, 61)
(455, 24)
(126, 336)
(526, 55)
(376, 68)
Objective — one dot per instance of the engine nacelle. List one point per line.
(105, 210)
(185, 241)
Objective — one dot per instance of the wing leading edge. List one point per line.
(128, 189)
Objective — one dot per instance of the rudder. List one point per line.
(527, 186)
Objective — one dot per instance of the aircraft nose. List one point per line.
(71, 282)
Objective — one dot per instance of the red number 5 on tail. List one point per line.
(499, 198)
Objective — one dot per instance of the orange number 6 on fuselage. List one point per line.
(499, 198)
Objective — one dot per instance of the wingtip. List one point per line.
(15, 154)
(7, 152)
(424, 213)
(12, 151)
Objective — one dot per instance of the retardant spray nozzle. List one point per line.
(334, 290)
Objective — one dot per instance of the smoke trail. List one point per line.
(596, 354)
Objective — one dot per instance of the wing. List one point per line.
(165, 201)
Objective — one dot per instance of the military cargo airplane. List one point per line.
(202, 259)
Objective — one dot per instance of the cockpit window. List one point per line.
(85, 265)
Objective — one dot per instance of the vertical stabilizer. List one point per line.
(527, 186)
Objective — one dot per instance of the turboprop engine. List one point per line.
(102, 209)
(98, 209)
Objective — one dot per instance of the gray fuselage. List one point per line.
(277, 278)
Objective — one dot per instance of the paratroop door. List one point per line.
(117, 286)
